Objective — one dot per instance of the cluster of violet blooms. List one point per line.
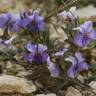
(33, 22)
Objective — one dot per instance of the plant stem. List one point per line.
(59, 10)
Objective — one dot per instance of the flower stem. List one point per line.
(59, 10)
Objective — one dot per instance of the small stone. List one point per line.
(17, 67)
(93, 85)
(1, 32)
(46, 94)
(91, 11)
(11, 84)
(73, 92)
(57, 36)
(23, 73)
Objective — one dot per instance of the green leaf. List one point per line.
(92, 44)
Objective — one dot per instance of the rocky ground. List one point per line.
(21, 79)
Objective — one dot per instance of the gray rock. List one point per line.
(90, 11)
(56, 31)
(23, 73)
(73, 92)
(11, 84)
(93, 86)
(16, 67)
(57, 36)
(1, 32)
(46, 94)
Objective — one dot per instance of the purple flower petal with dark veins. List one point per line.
(33, 22)
(79, 56)
(15, 23)
(83, 66)
(15, 26)
(28, 57)
(10, 21)
(37, 58)
(26, 21)
(41, 48)
(86, 27)
(53, 68)
(93, 35)
(38, 52)
(85, 34)
(78, 39)
(4, 19)
(72, 72)
(31, 47)
(85, 41)
(40, 58)
(78, 64)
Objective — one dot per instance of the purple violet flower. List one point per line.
(78, 64)
(10, 21)
(53, 68)
(38, 55)
(6, 45)
(70, 15)
(85, 34)
(33, 22)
